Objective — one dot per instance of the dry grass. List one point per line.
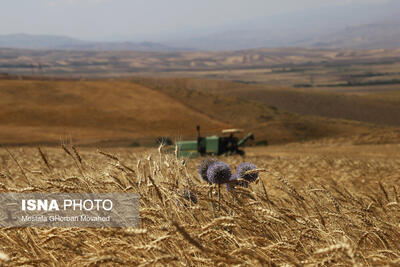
(380, 110)
(316, 210)
(283, 115)
(92, 111)
(121, 112)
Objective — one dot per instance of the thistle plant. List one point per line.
(203, 167)
(219, 173)
(243, 168)
(242, 177)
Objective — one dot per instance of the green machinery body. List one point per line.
(213, 145)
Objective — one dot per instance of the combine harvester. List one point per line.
(213, 145)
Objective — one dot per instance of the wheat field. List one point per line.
(308, 209)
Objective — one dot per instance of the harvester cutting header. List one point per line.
(213, 145)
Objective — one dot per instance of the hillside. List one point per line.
(123, 112)
(330, 105)
(333, 24)
(127, 111)
(247, 106)
(368, 109)
(37, 41)
(92, 111)
(54, 42)
(350, 24)
(368, 36)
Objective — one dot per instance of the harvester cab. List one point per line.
(227, 144)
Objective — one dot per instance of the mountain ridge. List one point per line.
(351, 26)
(57, 42)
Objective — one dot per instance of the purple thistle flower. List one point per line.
(203, 167)
(219, 173)
(243, 168)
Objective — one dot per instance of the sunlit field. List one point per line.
(314, 205)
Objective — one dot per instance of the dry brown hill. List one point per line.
(239, 105)
(330, 105)
(92, 111)
(372, 109)
(140, 110)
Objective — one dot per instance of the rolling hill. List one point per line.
(334, 24)
(282, 115)
(369, 36)
(346, 25)
(127, 111)
(92, 111)
(368, 109)
(54, 42)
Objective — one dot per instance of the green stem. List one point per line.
(211, 202)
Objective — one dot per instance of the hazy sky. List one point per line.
(140, 19)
